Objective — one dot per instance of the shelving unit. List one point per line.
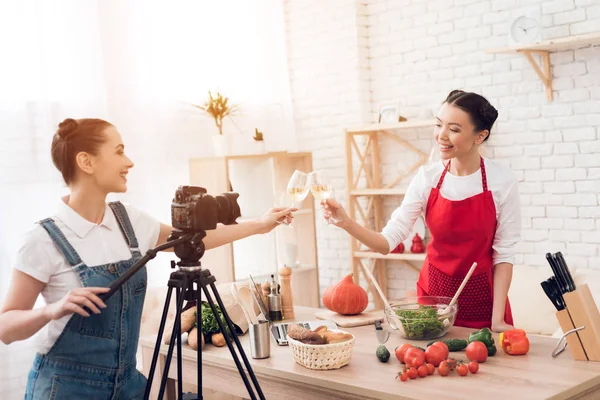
(544, 48)
(369, 168)
(261, 181)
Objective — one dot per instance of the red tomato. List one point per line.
(415, 357)
(462, 370)
(404, 377)
(444, 368)
(412, 373)
(430, 368)
(422, 370)
(443, 346)
(477, 351)
(401, 351)
(473, 367)
(435, 354)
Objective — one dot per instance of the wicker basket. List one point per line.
(322, 356)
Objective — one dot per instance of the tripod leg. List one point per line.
(179, 368)
(161, 330)
(176, 331)
(227, 338)
(237, 343)
(199, 350)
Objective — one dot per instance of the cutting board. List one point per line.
(349, 321)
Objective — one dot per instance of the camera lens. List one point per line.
(229, 209)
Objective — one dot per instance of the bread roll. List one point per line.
(336, 337)
(304, 335)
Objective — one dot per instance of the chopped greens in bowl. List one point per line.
(422, 317)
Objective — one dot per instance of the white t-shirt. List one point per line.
(505, 191)
(96, 245)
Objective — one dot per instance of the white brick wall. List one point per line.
(420, 50)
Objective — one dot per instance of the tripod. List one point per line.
(190, 248)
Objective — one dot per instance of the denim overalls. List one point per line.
(94, 357)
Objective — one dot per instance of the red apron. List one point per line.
(462, 232)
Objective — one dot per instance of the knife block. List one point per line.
(581, 310)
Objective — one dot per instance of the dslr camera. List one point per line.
(193, 210)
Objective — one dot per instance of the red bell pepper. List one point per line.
(514, 342)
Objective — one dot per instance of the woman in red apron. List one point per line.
(463, 229)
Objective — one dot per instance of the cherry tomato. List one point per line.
(462, 370)
(404, 377)
(415, 357)
(412, 373)
(435, 354)
(473, 367)
(444, 368)
(477, 351)
(422, 370)
(444, 346)
(451, 363)
(401, 351)
(430, 368)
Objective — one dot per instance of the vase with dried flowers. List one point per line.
(218, 108)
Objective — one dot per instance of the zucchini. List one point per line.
(453, 344)
(382, 353)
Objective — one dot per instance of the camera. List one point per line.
(193, 210)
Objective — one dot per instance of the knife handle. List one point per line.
(567, 273)
(553, 265)
(560, 277)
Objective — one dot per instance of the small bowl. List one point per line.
(421, 317)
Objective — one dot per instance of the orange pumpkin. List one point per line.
(346, 297)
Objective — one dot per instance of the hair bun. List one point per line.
(489, 114)
(67, 128)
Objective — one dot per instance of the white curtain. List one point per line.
(139, 64)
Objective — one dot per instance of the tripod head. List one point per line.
(189, 251)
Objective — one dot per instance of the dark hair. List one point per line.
(72, 137)
(482, 113)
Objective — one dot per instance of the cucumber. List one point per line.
(382, 353)
(453, 344)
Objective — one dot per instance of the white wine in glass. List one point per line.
(321, 192)
(297, 188)
(297, 193)
(320, 187)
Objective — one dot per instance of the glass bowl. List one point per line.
(421, 317)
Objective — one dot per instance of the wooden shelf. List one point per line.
(544, 48)
(411, 124)
(551, 45)
(378, 192)
(391, 256)
(363, 178)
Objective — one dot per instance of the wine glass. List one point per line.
(297, 189)
(321, 188)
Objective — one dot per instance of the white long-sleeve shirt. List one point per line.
(501, 181)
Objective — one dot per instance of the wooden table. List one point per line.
(534, 376)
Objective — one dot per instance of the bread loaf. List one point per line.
(188, 320)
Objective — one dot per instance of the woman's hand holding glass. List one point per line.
(334, 213)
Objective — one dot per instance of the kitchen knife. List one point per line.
(555, 290)
(562, 279)
(566, 272)
(382, 335)
(550, 293)
(552, 263)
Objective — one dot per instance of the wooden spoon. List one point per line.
(246, 298)
(460, 289)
